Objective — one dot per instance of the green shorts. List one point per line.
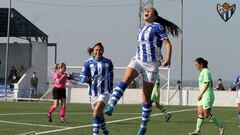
(206, 102)
(155, 98)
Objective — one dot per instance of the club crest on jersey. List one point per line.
(226, 11)
(147, 31)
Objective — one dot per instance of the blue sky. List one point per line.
(76, 25)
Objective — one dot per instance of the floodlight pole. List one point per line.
(181, 70)
(8, 39)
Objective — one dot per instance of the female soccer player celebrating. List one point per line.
(205, 97)
(151, 37)
(59, 91)
(98, 73)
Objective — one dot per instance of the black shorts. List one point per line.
(59, 93)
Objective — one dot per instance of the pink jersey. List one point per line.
(56, 76)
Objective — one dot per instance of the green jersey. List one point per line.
(208, 96)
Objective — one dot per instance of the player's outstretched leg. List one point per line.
(117, 94)
(165, 112)
(221, 127)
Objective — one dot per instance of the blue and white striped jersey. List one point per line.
(99, 76)
(150, 39)
(236, 83)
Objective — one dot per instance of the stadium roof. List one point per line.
(19, 26)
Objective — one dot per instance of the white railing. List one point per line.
(164, 73)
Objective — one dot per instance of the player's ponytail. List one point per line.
(90, 50)
(169, 26)
(56, 67)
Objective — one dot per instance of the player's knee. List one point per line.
(147, 100)
(55, 105)
(208, 116)
(97, 112)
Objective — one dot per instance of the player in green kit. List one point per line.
(156, 98)
(205, 97)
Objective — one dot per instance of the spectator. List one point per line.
(178, 85)
(220, 85)
(21, 71)
(34, 84)
(13, 80)
(13, 71)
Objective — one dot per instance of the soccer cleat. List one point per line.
(49, 119)
(109, 111)
(167, 117)
(142, 131)
(194, 133)
(105, 133)
(63, 122)
(221, 130)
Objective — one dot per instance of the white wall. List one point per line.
(39, 65)
(133, 96)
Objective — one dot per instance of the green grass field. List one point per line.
(18, 118)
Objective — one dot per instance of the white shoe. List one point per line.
(221, 130)
(195, 133)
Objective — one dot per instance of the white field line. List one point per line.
(109, 122)
(90, 113)
(13, 114)
(29, 124)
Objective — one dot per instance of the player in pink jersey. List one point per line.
(59, 92)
